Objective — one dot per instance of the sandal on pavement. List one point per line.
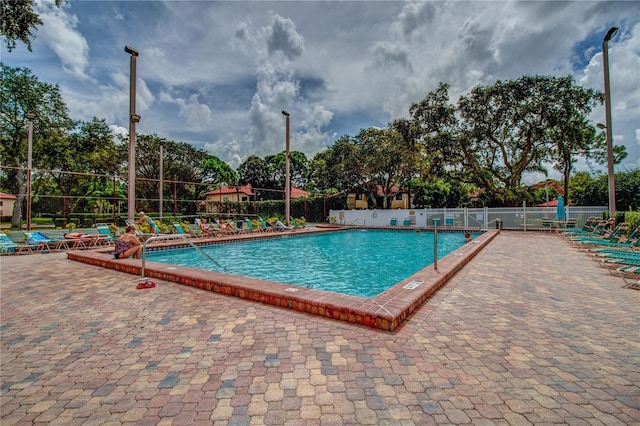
(148, 284)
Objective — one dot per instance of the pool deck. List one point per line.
(530, 331)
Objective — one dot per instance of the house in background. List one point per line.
(6, 206)
(227, 194)
(237, 194)
(360, 198)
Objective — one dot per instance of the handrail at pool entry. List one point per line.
(173, 237)
(497, 220)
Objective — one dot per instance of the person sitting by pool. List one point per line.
(152, 224)
(128, 245)
(467, 236)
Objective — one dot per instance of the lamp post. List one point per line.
(287, 178)
(30, 117)
(161, 177)
(607, 107)
(133, 119)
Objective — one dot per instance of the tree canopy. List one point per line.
(484, 144)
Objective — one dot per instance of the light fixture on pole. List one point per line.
(287, 178)
(133, 119)
(30, 117)
(607, 107)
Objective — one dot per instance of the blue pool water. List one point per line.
(357, 262)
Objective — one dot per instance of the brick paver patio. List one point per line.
(530, 332)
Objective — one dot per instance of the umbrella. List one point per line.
(560, 209)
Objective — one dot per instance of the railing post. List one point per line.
(435, 243)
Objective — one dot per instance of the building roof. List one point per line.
(248, 190)
(232, 190)
(7, 196)
(549, 183)
(298, 193)
(552, 203)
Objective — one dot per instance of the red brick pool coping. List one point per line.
(386, 311)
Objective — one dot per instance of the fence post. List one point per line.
(435, 243)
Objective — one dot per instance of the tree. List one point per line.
(566, 111)
(21, 93)
(388, 160)
(218, 172)
(298, 168)
(89, 148)
(18, 19)
(434, 126)
(507, 130)
(181, 163)
(336, 168)
(255, 171)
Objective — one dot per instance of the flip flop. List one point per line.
(148, 284)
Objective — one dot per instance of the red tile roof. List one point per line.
(7, 196)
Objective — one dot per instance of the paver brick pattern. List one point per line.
(530, 332)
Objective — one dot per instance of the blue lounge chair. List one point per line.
(105, 232)
(8, 246)
(393, 221)
(180, 230)
(406, 222)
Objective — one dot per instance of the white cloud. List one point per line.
(59, 32)
(218, 74)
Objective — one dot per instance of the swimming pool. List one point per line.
(386, 311)
(362, 262)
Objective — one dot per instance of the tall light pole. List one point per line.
(133, 119)
(30, 117)
(607, 107)
(161, 177)
(287, 178)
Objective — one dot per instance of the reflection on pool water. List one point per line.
(356, 262)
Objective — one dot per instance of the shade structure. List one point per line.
(560, 209)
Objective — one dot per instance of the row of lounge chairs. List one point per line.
(219, 229)
(39, 242)
(616, 248)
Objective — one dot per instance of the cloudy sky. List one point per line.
(217, 74)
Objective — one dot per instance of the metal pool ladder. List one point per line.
(173, 237)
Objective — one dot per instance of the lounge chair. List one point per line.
(180, 230)
(393, 221)
(606, 236)
(42, 242)
(229, 228)
(8, 246)
(406, 222)
(105, 232)
(587, 228)
(252, 228)
(282, 226)
(265, 226)
(204, 229)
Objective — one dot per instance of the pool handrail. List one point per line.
(173, 237)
